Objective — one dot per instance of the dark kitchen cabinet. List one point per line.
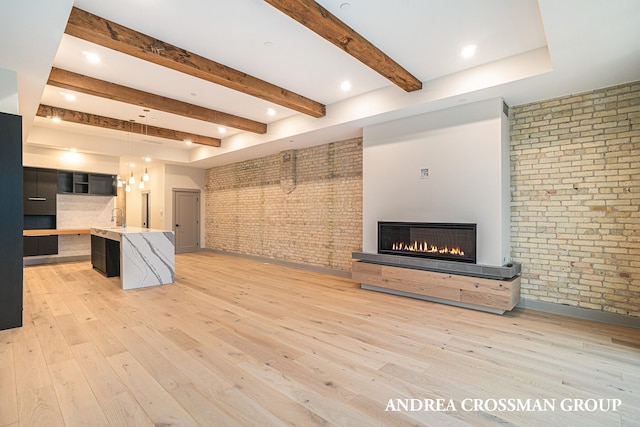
(105, 255)
(98, 253)
(40, 245)
(102, 185)
(39, 202)
(11, 221)
(81, 183)
(86, 183)
(40, 189)
(30, 246)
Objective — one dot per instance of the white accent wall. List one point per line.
(466, 152)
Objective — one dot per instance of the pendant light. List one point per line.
(131, 180)
(145, 177)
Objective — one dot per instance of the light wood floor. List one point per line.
(237, 342)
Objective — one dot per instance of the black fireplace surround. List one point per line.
(446, 241)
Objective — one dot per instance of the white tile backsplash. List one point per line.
(81, 211)
(84, 211)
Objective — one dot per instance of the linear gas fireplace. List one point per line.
(451, 242)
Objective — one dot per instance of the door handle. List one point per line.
(38, 199)
(177, 225)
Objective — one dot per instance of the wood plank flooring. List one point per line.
(236, 342)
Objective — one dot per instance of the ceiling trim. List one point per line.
(322, 22)
(124, 125)
(88, 85)
(98, 30)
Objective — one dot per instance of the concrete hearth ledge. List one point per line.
(508, 271)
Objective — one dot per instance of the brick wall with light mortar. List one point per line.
(319, 223)
(575, 215)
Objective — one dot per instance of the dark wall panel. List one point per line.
(10, 221)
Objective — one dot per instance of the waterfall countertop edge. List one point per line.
(116, 233)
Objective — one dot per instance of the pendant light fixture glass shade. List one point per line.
(145, 177)
(127, 188)
(132, 180)
(141, 185)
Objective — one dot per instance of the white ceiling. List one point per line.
(526, 50)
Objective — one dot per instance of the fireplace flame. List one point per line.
(425, 247)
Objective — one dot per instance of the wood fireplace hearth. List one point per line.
(494, 289)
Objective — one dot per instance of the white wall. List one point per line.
(8, 92)
(467, 155)
(155, 187)
(66, 160)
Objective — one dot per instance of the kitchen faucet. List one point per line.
(121, 216)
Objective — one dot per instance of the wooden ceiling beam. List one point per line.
(322, 22)
(123, 125)
(95, 29)
(84, 84)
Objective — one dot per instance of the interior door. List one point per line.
(186, 214)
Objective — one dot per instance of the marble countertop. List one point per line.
(116, 233)
(125, 230)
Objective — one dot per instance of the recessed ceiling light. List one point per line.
(271, 111)
(268, 44)
(132, 165)
(186, 141)
(221, 129)
(56, 119)
(68, 96)
(468, 51)
(345, 85)
(147, 159)
(73, 150)
(91, 57)
(345, 6)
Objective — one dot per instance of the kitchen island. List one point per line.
(142, 257)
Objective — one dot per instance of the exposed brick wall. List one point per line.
(319, 223)
(575, 176)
